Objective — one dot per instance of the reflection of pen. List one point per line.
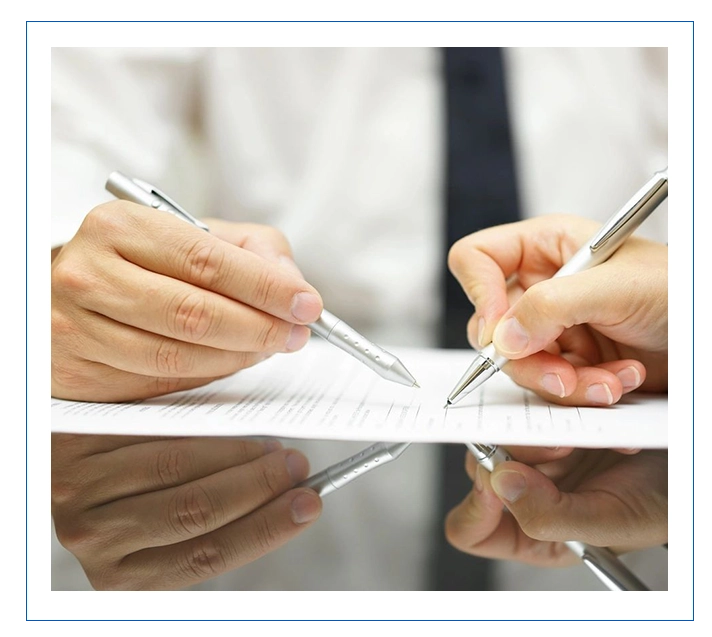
(602, 561)
(328, 326)
(606, 241)
(341, 473)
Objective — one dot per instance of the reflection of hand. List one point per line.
(147, 513)
(583, 339)
(144, 303)
(600, 497)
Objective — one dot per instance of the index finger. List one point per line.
(166, 245)
(533, 250)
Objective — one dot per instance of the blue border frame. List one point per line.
(29, 20)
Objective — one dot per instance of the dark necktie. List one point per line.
(480, 192)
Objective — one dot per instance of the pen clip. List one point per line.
(175, 208)
(634, 212)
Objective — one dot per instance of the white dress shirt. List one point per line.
(341, 149)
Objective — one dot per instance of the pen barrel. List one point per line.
(123, 187)
(341, 473)
(607, 567)
(489, 456)
(346, 338)
(619, 227)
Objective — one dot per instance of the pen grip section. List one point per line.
(346, 338)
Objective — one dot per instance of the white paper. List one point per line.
(322, 392)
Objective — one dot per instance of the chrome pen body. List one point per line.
(603, 562)
(606, 241)
(342, 473)
(328, 326)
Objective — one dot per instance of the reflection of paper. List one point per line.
(321, 392)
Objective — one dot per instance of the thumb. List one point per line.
(544, 513)
(549, 307)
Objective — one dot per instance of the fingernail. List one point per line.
(553, 384)
(509, 485)
(511, 337)
(599, 393)
(305, 508)
(478, 480)
(629, 377)
(481, 332)
(306, 307)
(298, 338)
(297, 466)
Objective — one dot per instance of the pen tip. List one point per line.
(416, 385)
(447, 404)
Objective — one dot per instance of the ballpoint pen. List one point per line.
(329, 327)
(607, 240)
(340, 474)
(601, 561)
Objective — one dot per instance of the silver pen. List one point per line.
(328, 326)
(346, 471)
(600, 560)
(607, 240)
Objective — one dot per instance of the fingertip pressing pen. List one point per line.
(603, 562)
(607, 240)
(328, 326)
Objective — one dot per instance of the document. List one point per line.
(323, 393)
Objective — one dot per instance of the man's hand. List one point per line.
(601, 497)
(145, 304)
(583, 339)
(148, 513)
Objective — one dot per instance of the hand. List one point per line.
(145, 304)
(584, 339)
(600, 497)
(152, 513)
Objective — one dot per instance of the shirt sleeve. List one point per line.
(130, 109)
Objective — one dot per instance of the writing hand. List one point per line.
(583, 339)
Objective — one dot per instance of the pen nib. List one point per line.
(447, 404)
(416, 385)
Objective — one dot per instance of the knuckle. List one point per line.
(204, 262)
(269, 477)
(165, 385)
(113, 579)
(62, 326)
(64, 491)
(106, 217)
(202, 560)
(171, 358)
(173, 465)
(80, 536)
(537, 527)
(265, 535)
(541, 299)
(272, 334)
(456, 255)
(192, 318)
(69, 277)
(66, 379)
(266, 289)
(192, 511)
